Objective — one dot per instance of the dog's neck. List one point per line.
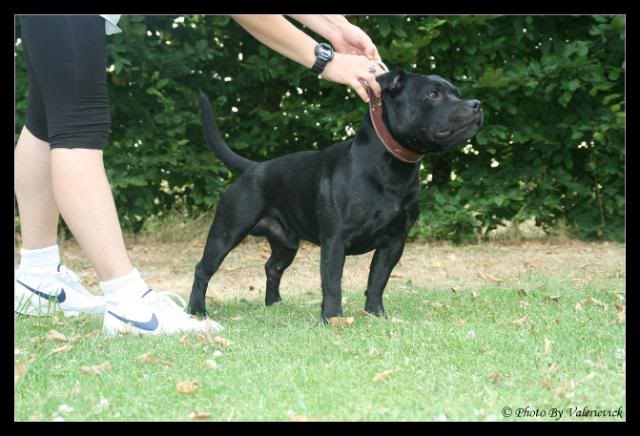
(368, 152)
(368, 149)
(383, 134)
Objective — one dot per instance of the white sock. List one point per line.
(40, 263)
(129, 285)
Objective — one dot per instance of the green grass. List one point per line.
(283, 363)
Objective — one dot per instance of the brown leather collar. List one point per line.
(392, 146)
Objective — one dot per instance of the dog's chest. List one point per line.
(372, 221)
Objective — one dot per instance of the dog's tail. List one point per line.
(214, 139)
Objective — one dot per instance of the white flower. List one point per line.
(65, 408)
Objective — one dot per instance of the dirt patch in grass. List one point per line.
(170, 265)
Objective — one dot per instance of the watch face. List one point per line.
(323, 51)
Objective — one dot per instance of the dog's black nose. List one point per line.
(474, 104)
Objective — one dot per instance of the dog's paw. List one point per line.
(377, 310)
(197, 309)
(271, 300)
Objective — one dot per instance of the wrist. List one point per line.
(324, 54)
(336, 28)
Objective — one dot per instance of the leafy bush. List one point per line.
(552, 88)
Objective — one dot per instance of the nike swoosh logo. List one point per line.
(56, 298)
(150, 325)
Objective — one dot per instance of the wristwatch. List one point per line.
(324, 53)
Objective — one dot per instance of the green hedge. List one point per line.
(552, 88)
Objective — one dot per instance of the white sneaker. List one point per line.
(60, 291)
(154, 313)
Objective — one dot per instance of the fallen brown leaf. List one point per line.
(56, 321)
(486, 276)
(495, 377)
(459, 322)
(338, 320)
(522, 320)
(146, 357)
(598, 303)
(620, 310)
(76, 389)
(563, 391)
(547, 346)
(95, 369)
(204, 338)
(54, 335)
(63, 349)
(384, 375)
(195, 414)
(222, 341)
(588, 377)
(590, 299)
(208, 363)
(187, 387)
(19, 369)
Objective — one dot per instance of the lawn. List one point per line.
(470, 332)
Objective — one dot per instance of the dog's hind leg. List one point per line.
(281, 257)
(236, 215)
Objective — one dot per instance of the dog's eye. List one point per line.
(434, 94)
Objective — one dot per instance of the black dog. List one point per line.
(353, 197)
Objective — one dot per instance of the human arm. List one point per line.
(344, 36)
(277, 33)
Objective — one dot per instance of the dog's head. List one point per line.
(427, 113)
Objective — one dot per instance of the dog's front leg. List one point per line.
(331, 265)
(383, 262)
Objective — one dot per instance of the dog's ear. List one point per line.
(394, 81)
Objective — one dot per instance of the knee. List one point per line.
(273, 270)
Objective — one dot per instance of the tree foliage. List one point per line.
(552, 88)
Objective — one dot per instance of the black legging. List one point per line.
(66, 62)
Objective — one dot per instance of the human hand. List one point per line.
(350, 69)
(353, 40)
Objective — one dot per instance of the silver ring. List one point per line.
(372, 69)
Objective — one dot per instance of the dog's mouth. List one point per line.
(446, 134)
